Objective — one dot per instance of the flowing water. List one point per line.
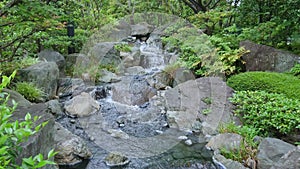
(133, 122)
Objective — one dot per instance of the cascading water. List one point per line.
(132, 121)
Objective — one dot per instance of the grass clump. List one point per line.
(270, 82)
(29, 91)
(123, 47)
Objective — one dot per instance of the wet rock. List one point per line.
(159, 80)
(185, 105)
(116, 159)
(53, 56)
(44, 75)
(223, 163)
(132, 59)
(266, 58)
(54, 107)
(118, 134)
(134, 70)
(81, 105)
(229, 141)
(108, 77)
(71, 148)
(271, 150)
(132, 90)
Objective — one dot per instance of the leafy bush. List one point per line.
(29, 91)
(13, 133)
(296, 70)
(269, 113)
(8, 67)
(266, 81)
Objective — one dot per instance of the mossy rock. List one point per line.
(267, 81)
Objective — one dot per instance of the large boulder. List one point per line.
(44, 75)
(71, 148)
(17, 97)
(271, 151)
(104, 53)
(289, 160)
(200, 104)
(81, 105)
(132, 90)
(266, 58)
(53, 56)
(141, 29)
(229, 141)
(41, 142)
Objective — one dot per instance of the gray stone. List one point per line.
(54, 107)
(17, 97)
(134, 70)
(271, 150)
(266, 58)
(44, 75)
(42, 141)
(104, 53)
(108, 77)
(71, 148)
(81, 105)
(182, 75)
(116, 159)
(229, 141)
(132, 59)
(70, 87)
(132, 90)
(53, 56)
(185, 105)
(71, 60)
(289, 160)
(223, 163)
(159, 80)
(141, 29)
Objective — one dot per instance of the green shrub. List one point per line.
(29, 91)
(123, 47)
(266, 81)
(269, 113)
(14, 133)
(8, 67)
(296, 70)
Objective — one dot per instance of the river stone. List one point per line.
(270, 150)
(132, 90)
(229, 141)
(108, 77)
(17, 97)
(132, 59)
(134, 70)
(70, 87)
(159, 80)
(71, 148)
(53, 56)
(223, 163)
(81, 105)
(54, 107)
(185, 104)
(44, 75)
(42, 141)
(115, 159)
(266, 58)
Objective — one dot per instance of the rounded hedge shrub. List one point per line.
(270, 82)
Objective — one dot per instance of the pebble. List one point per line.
(72, 121)
(188, 142)
(182, 138)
